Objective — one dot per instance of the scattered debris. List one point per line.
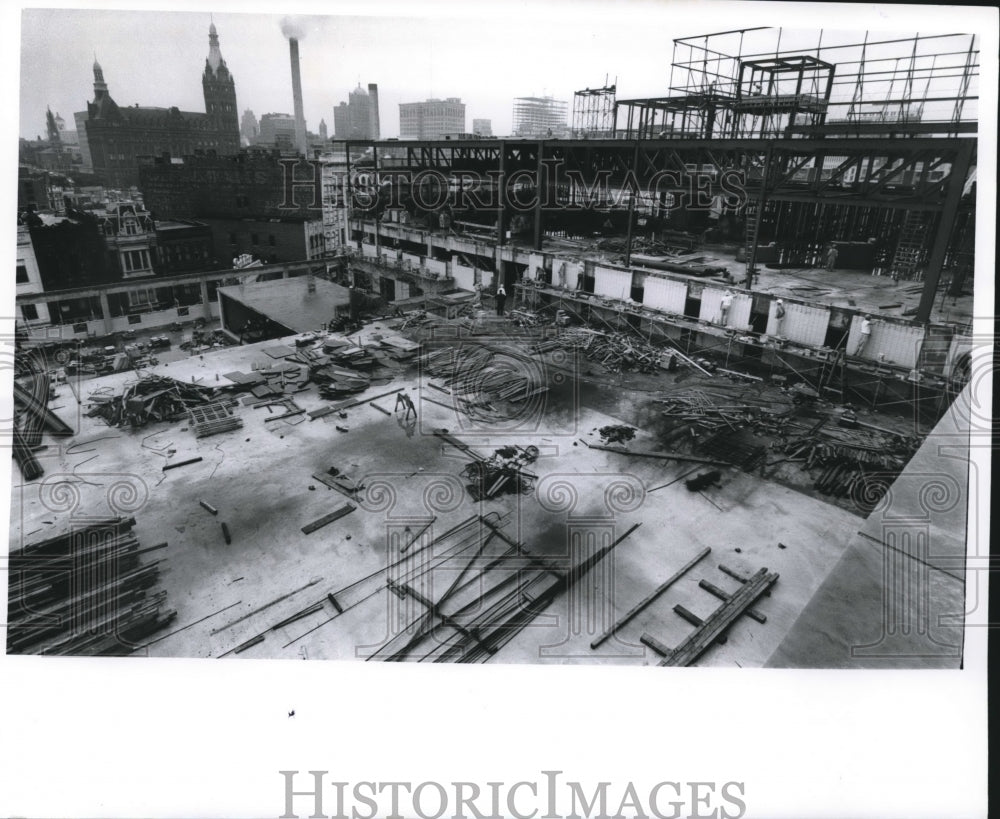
(502, 473)
(181, 463)
(617, 434)
(319, 523)
(703, 481)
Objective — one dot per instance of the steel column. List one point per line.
(956, 184)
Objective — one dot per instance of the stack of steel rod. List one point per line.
(84, 592)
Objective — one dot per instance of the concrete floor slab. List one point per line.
(260, 479)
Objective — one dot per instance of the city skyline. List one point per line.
(155, 59)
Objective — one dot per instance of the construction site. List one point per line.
(694, 385)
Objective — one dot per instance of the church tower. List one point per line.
(220, 97)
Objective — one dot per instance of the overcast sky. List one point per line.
(484, 53)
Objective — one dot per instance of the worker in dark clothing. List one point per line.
(407, 403)
(501, 299)
(831, 258)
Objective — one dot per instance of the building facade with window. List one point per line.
(114, 137)
(431, 119)
(28, 278)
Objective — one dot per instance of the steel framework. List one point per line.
(594, 112)
(765, 82)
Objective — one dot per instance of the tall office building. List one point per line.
(358, 118)
(431, 119)
(482, 127)
(277, 130)
(249, 128)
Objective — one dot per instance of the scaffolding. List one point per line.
(767, 83)
(594, 112)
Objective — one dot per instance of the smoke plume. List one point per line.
(292, 28)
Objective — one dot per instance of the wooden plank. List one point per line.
(688, 615)
(714, 590)
(715, 625)
(638, 607)
(319, 523)
(651, 642)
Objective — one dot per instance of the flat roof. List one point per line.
(288, 302)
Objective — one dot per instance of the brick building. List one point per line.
(116, 137)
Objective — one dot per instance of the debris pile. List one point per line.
(702, 413)
(336, 383)
(703, 481)
(859, 465)
(617, 352)
(473, 370)
(85, 592)
(616, 434)
(153, 398)
(502, 473)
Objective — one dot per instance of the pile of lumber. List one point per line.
(696, 409)
(474, 370)
(336, 383)
(860, 465)
(85, 592)
(617, 352)
(451, 362)
(212, 419)
(153, 398)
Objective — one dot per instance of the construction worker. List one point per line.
(724, 305)
(407, 402)
(501, 299)
(865, 335)
(779, 316)
(831, 257)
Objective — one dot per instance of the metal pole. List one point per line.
(631, 204)
(539, 168)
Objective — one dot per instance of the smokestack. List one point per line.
(373, 97)
(300, 121)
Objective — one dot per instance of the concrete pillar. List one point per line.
(106, 311)
(205, 306)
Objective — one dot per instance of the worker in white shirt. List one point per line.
(864, 335)
(724, 305)
(779, 317)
